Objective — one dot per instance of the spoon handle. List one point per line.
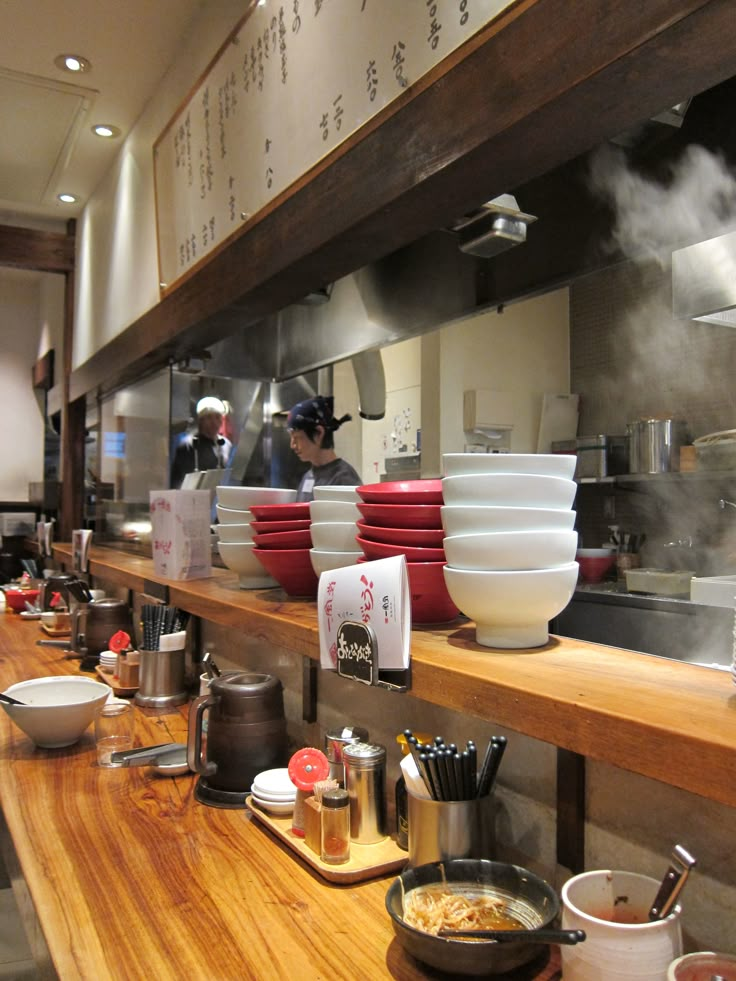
(521, 936)
(9, 699)
(672, 884)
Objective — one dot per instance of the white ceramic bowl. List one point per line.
(512, 609)
(236, 532)
(460, 519)
(239, 557)
(233, 516)
(323, 560)
(551, 464)
(244, 497)
(335, 536)
(333, 511)
(344, 493)
(511, 550)
(526, 490)
(274, 783)
(277, 808)
(702, 965)
(57, 709)
(596, 553)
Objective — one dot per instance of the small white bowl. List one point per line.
(235, 533)
(512, 609)
(244, 497)
(274, 783)
(526, 490)
(323, 560)
(335, 536)
(338, 492)
(331, 510)
(57, 710)
(511, 550)
(272, 807)
(233, 516)
(551, 464)
(596, 553)
(459, 519)
(239, 557)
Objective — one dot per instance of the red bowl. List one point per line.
(415, 537)
(284, 539)
(280, 512)
(17, 598)
(403, 492)
(402, 515)
(291, 568)
(382, 550)
(594, 568)
(430, 601)
(266, 527)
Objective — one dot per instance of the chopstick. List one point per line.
(158, 620)
(450, 774)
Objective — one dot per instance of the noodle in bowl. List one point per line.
(475, 894)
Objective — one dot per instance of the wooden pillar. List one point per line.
(71, 510)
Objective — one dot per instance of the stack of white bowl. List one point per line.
(273, 791)
(334, 515)
(509, 542)
(235, 536)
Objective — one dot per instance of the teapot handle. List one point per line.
(194, 741)
(79, 627)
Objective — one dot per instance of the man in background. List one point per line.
(206, 449)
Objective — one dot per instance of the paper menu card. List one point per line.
(180, 533)
(374, 593)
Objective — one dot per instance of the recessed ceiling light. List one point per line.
(103, 129)
(67, 198)
(72, 63)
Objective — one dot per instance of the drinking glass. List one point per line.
(114, 727)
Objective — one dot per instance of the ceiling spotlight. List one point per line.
(103, 129)
(72, 63)
(67, 198)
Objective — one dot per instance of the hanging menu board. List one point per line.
(295, 79)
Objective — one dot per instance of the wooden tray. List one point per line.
(56, 631)
(365, 862)
(117, 689)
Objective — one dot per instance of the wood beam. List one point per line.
(40, 251)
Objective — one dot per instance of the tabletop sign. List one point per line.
(293, 81)
(357, 652)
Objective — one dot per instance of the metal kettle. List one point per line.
(94, 623)
(245, 734)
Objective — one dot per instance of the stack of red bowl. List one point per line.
(402, 517)
(282, 543)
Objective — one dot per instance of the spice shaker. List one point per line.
(335, 821)
(335, 741)
(365, 781)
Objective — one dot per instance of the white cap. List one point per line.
(210, 404)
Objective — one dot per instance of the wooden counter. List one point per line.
(131, 878)
(631, 710)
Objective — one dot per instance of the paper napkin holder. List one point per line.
(357, 658)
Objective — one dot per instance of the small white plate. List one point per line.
(272, 807)
(273, 798)
(275, 783)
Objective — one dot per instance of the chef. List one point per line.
(311, 425)
(206, 449)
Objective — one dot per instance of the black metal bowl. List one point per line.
(528, 898)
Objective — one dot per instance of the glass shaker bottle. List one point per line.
(335, 827)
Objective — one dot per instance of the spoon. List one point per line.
(10, 700)
(212, 670)
(672, 884)
(520, 936)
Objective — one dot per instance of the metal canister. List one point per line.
(365, 782)
(335, 742)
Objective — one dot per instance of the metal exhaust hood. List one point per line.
(704, 281)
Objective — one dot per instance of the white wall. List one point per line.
(21, 433)
(117, 264)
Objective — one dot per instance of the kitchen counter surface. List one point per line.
(129, 877)
(619, 707)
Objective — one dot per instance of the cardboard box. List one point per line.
(180, 533)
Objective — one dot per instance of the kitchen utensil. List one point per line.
(165, 758)
(335, 742)
(55, 710)
(654, 445)
(16, 599)
(527, 897)
(114, 731)
(551, 464)
(10, 700)
(514, 936)
(402, 492)
(246, 734)
(56, 583)
(445, 830)
(94, 623)
(209, 663)
(672, 884)
(703, 965)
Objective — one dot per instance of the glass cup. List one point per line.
(114, 727)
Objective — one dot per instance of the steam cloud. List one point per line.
(651, 219)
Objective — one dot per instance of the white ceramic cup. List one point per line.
(621, 944)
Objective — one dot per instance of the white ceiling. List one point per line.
(46, 114)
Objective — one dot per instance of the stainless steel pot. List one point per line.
(654, 445)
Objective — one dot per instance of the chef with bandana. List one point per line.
(311, 425)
